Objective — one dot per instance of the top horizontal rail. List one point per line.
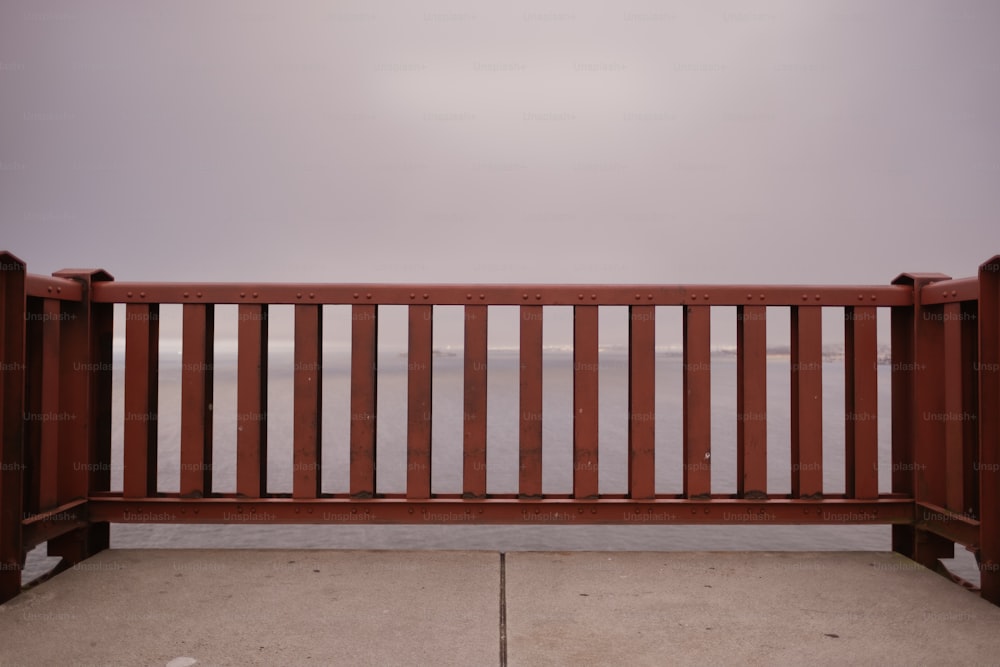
(49, 287)
(950, 291)
(509, 295)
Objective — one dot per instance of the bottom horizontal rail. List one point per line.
(948, 524)
(491, 511)
(50, 524)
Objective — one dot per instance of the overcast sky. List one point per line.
(819, 142)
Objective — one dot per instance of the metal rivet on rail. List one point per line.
(198, 294)
(187, 294)
(524, 296)
(861, 297)
(579, 296)
(412, 296)
(298, 295)
(142, 295)
(694, 296)
(312, 295)
(593, 297)
(482, 296)
(468, 296)
(50, 290)
(243, 295)
(129, 293)
(356, 295)
(873, 297)
(944, 293)
(59, 290)
(761, 297)
(954, 292)
(426, 295)
(593, 510)
(410, 510)
(538, 297)
(369, 295)
(649, 296)
(254, 295)
(805, 296)
(638, 296)
(817, 297)
(749, 296)
(706, 297)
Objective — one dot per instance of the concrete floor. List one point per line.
(307, 607)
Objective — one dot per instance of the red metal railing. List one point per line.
(55, 410)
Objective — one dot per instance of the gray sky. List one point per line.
(820, 142)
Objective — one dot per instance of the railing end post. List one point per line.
(85, 390)
(989, 429)
(13, 304)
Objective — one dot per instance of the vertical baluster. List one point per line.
(807, 402)
(585, 397)
(142, 346)
(530, 431)
(51, 410)
(861, 402)
(308, 402)
(419, 402)
(697, 402)
(751, 402)
(474, 419)
(251, 401)
(953, 408)
(989, 429)
(196, 399)
(641, 402)
(364, 398)
(970, 406)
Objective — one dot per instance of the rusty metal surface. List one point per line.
(505, 295)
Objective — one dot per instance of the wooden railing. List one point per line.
(55, 412)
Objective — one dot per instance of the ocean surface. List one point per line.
(502, 455)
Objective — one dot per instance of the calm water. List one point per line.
(502, 456)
